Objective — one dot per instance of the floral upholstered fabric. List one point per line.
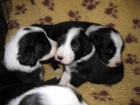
(123, 15)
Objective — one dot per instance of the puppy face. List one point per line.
(29, 46)
(116, 60)
(72, 46)
(108, 44)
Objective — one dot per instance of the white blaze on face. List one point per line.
(64, 53)
(116, 59)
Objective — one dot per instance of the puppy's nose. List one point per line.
(118, 63)
(60, 57)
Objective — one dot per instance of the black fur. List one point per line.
(13, 90)
(32, 99)
(8, 77)
(94, 71)
(33, 46)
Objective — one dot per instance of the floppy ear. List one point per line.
(87, 44)
(46, 28)
(95, 38)
(27, 57)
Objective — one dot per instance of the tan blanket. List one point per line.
(123, 15)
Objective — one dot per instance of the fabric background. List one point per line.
(123, 15)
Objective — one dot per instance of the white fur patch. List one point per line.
(65, 79)
(51, 95)
(65, 50)
(118, 44)
(93, 28)
(11, 51)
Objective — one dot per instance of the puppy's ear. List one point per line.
(27, 57)
(46, 28)
(86, 43)
(95, 38)
(39, 25)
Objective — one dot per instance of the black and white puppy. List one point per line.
(108, 44)
(100, 64)
(74, 47)
(23, 53)
(48, 95)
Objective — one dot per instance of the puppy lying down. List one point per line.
(20, 62)
(89, 52)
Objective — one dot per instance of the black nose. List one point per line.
(117, 64)
(60, 57)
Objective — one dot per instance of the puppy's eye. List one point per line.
(74, 46)
(110, 51)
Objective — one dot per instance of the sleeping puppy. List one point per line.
(20, 61)
(101, 64)
(28, 94)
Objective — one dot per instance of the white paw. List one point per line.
(70, 85)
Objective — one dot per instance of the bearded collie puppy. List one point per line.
(20, 62)
(89, 52)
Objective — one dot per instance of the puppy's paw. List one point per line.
(53, 81)
(77, 80)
